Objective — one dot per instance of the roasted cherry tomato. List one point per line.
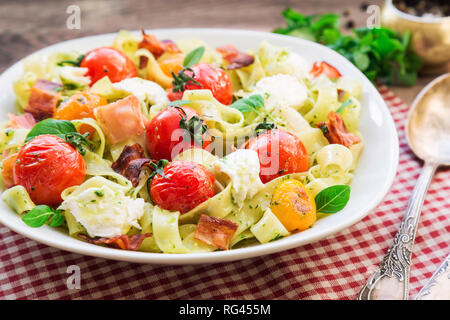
(326, 69)
(80, 105)
(186, 185)
(293, 205)
(166, 139)
(279, 153)
(46, 166)
(107, 61)
(208, 77)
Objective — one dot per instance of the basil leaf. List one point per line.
(40, 214)
(193, 57)
(332, 199)
(178, 103)
(51, 126)
(251, 103)
(57, 219)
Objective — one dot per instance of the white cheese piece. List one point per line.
(105, 212)
(281, 90)
(242, 167)
(144, 90)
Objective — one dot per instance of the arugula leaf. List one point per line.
(251, 103)
(332, 199)
(193, 57)
(41, 214)
(51, 126)
(380, 53)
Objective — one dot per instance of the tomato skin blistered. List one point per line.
(187, 184)
(47, 165)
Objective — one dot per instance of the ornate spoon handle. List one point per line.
(391, 280)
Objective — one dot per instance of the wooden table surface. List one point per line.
(26, 26)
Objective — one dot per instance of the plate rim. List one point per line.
(227, 255)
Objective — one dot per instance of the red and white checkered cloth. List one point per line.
(333, 268)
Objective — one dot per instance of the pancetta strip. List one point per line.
(123, 242)
(215, 231)
(336, 132)
(44, 97)
(234, 57)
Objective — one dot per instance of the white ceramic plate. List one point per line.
(373, 177)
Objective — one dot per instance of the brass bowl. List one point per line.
(430, 36)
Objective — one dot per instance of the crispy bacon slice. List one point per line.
(336, 132)
(215, 231)
(156, 47)
(123, 242)
(235, 58)
(131, 162)
(24, 121)
(43, 99)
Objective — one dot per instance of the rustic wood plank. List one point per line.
(26, 26)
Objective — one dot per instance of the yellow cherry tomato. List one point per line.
(293, 205)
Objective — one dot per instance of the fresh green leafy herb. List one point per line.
(79, 141)
(344, 105)
(51, 126)
(380, 53)
(178, 103)
(75, 63)
(332, 199)
(42, 214)
(193, 57)
(63, 129)
(252, 103)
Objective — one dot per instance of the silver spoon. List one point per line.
(428, 135)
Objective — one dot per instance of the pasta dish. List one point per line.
(179, 147)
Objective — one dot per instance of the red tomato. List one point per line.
(165, 138)
(46, 166)
(279, 153)
(326, 69)
(215, 79)
(188, 185)
(106, 61)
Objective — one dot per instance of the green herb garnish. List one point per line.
(380, 53)
(63, 129)
(344, 105)
(252, 103)
(193, 57)
(42, 214)
(332, 199)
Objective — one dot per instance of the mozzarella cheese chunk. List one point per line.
(281, 90)
(242, 167)
(105, 212)
(144, 90)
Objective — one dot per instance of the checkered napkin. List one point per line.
(333, 268)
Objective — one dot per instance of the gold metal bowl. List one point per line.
(430, 36)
